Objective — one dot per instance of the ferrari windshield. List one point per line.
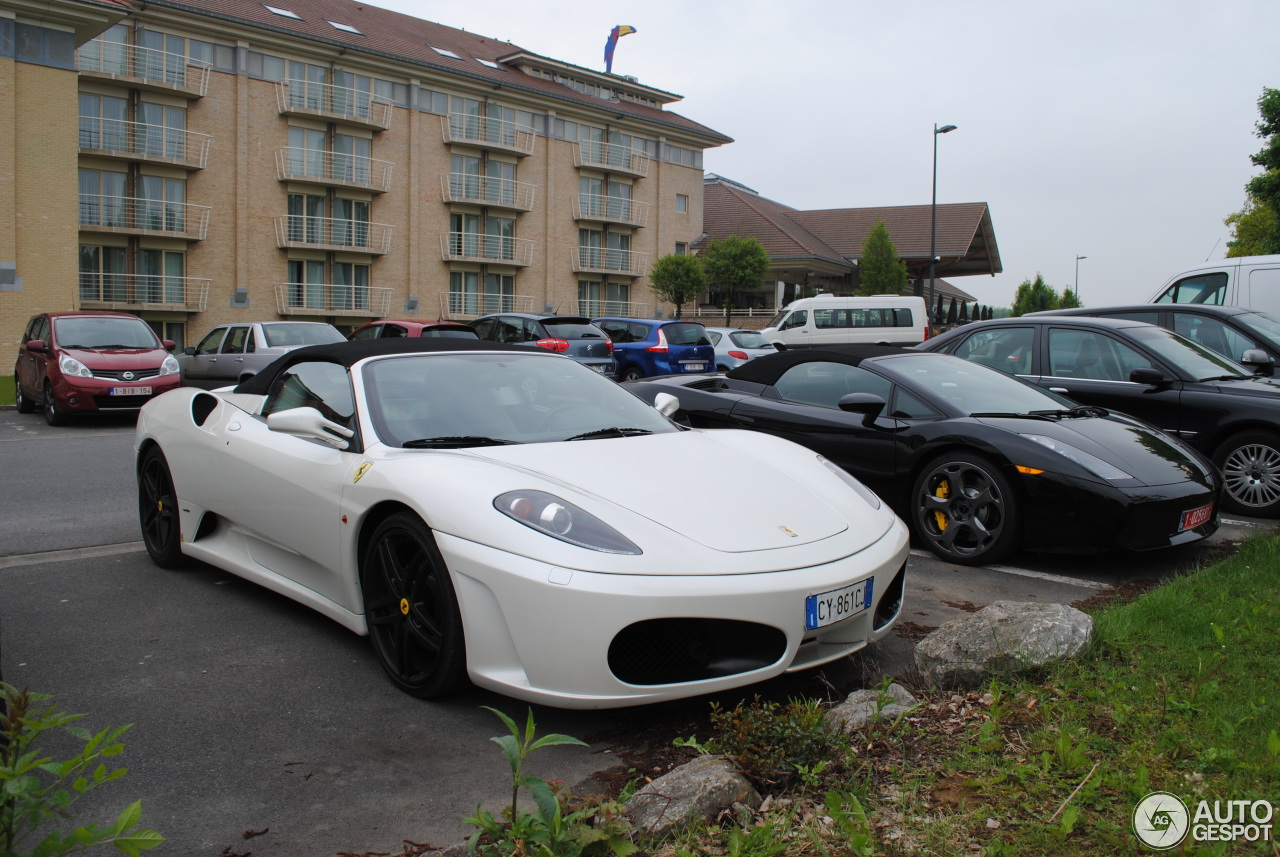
(457, 399)
(970, 388)
(1197, 361)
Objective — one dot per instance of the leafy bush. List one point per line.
(772, 743)
(35, 789)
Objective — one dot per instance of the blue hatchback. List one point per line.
(647, 347)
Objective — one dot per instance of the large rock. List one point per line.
(866, 706)
(1001, 639)
(700, 789)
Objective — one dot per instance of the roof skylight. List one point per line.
(346, 28)
(489, 63)
(444, 52)
(283, 13)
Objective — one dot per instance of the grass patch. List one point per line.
(1180, 692)
(7, 390)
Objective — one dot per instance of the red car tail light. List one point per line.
(739, 355)
(609, 342)
(559, 346)
(661, 347)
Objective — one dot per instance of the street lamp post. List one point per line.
(1077, 286)
(933, 215)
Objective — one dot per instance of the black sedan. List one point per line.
(977, 462)
(1219, 407)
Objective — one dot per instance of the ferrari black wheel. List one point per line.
(411, 609)
(52, 415)
(1250, 465)
(965, 510)
(25, 405)
(158, 511)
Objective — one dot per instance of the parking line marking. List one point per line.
(69, 554)
(1236, 523)
(1024, 572)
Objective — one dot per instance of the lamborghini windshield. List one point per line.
(971, 388)
(452, 400)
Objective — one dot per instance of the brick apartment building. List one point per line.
(231, 160)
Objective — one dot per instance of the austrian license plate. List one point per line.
(130, 391)
(1195, 517)
(694, 367)
(827, 608)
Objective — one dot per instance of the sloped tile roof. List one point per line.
(728, 209)
(402, 37)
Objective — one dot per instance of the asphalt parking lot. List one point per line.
(253, 713)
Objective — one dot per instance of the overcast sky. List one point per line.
(1116, 130)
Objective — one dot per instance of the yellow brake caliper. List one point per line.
(942, 491)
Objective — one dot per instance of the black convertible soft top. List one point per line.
(351, 352)
(767, 369)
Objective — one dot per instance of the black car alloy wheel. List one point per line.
(25, 405)
(52, 415)
(964, 509)
(411, 608)
(158, 510)
(1250, 465)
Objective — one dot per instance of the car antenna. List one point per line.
(1214, 247)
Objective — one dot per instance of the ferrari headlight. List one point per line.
(72, 366)
(1089, 462)
(169, 366)
(562, 520)
(862, 491)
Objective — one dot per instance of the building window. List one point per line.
(682, 249)
(161, 277)
(175, 331)
(682, 203)
(163, 204)
(103, 274)
(307, 288)
(102, 201)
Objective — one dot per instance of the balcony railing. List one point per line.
(488, 133)
(350, 106)
(146, 67)
(101, 213)
(327, 299)
(328, 233)
(623, 309)
(610, 209)
(143, 291)
(606, 260)
(483, 190)
(478, 247)
(471, 304)
(140, 142)
(611, 157)
(333, 168)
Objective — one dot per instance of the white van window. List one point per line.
(1201, 289)
(799, 318)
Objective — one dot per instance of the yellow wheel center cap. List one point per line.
(404, 606)
(160, 505)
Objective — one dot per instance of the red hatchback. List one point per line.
(88, 362)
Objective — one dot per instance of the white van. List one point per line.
(829, 320)
(1252, 282)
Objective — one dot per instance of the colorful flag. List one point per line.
(614, 34)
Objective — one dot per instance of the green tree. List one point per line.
(880, 271)
(678, 279)
(1250, 227)
(1265, 189)
(1034, 297)
(734, 265)
(1069, 300)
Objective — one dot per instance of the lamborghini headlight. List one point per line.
(1089, 462)
(560, 519)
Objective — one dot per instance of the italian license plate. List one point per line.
(130, 391)
(694, 367)
(1195, 517)
(827, 608)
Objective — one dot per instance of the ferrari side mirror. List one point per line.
(666, 404)
(310, 423)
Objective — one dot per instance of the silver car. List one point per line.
(735, 346)
(230, 353)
